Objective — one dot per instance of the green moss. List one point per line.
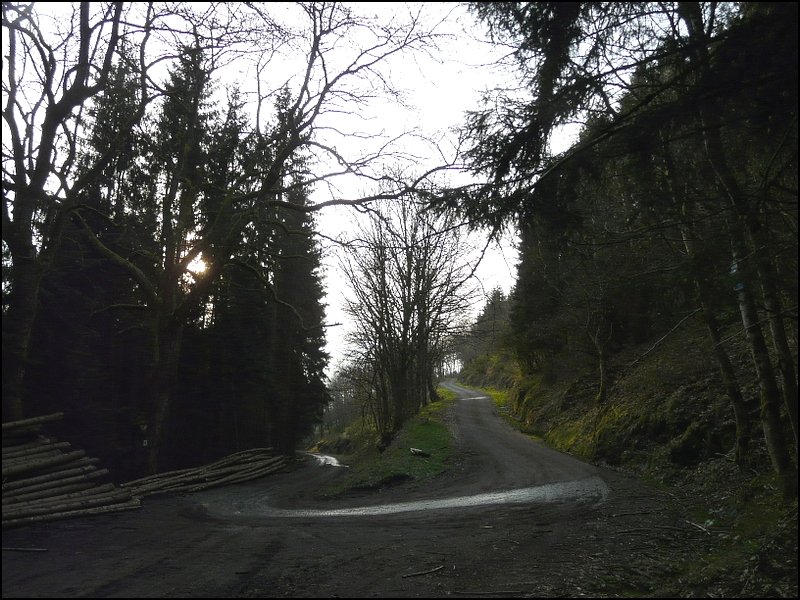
(755, 537)
(668, 420)
(525, 395)
(497, 369)
(500, 397)
(446, 397)
(371, 469)
(353, 439)
(564, 437)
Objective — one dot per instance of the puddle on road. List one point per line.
(589, 489)
(592, 488)
(325, 459)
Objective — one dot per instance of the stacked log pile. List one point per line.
(236, 468)
(44, 479)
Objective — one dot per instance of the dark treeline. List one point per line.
(411, 287)
(484, 350)
(678, 200)
(161, 270)
(243, 365)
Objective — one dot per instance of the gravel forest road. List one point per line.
(512, 518)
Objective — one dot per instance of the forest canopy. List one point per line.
(678, 198)
(162, 278)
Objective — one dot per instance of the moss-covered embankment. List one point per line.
(373, 468)
(668, 420)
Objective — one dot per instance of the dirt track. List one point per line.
(603, 536)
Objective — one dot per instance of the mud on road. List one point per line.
(603, 534)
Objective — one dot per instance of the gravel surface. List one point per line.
(599, 533)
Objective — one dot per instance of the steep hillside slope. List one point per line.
(667, 419)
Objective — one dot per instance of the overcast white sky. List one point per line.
(438, 87)
(439, 90)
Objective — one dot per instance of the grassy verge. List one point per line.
(500, 397)
(372, 469)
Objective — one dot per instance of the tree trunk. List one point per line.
(772, 304)
(602, 390)
(26, 278)
(165, 373)
(433, 394)
(709, 114)
(770, 394)
(731, 385)
(729, 381)
(770, 403)
(744, 429)
(599, 338)
(400, 398)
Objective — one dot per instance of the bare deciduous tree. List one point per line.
(411, 284)
(328, 60)
(50, 72)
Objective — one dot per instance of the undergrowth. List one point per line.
(371, 468)
(668, 421)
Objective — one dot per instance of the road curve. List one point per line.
(497, 465)
(503, 458)
(225, 542)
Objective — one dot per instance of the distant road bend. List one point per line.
(510, 515)
(501, 466)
